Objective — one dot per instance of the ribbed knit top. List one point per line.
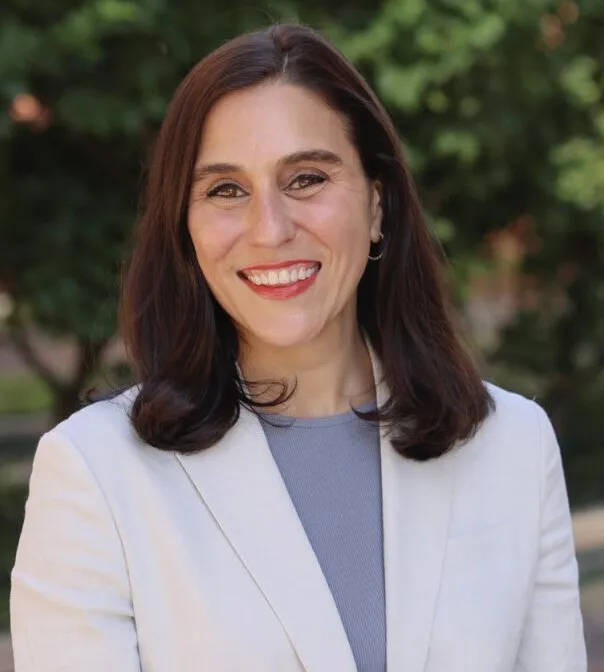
(331, 469)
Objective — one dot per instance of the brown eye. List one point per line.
(306, 181)
(229, 190)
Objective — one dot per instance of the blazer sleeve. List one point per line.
(553, 639)
(70, 601)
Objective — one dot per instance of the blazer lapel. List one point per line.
(416, 504)
(241, 485)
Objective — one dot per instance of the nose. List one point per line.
(270, 223)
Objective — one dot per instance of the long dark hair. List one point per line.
(183, 344)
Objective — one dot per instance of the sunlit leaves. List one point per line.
(581, 176)
(579, 80)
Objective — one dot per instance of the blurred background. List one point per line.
(500, 104)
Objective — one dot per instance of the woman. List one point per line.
(310, 474)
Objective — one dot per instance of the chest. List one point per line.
(216, 593)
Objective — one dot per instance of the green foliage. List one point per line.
(23, 394)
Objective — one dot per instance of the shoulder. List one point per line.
(514, 417)
(102, 422)
(507, 449)
(500, 471)
(522, 433)
(101, 436)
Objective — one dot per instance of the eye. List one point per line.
(228, 190)
(306, 181)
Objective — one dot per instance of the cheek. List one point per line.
(342, 225)
(213, 233)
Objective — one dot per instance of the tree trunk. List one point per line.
(67, 393)
(66, 400)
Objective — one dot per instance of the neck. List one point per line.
(329, 374)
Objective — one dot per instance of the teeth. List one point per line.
(283, 276)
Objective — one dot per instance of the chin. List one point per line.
(284, 333)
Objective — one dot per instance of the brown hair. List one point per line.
(183, 344)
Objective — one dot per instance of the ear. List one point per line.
(375, 211)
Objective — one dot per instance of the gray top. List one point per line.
(331, 468)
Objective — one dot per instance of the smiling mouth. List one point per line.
(280, 277)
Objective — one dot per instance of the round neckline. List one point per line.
(279, 420)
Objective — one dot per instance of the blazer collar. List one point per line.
(239, 482)
(416, 511)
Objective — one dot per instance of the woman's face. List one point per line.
(281, 214)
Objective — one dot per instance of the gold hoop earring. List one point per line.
(381, 254)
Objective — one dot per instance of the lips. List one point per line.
(283, 280)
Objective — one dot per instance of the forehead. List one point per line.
(269, 121)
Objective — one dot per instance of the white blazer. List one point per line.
(135, 559)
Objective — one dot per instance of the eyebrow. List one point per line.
(316, 155)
